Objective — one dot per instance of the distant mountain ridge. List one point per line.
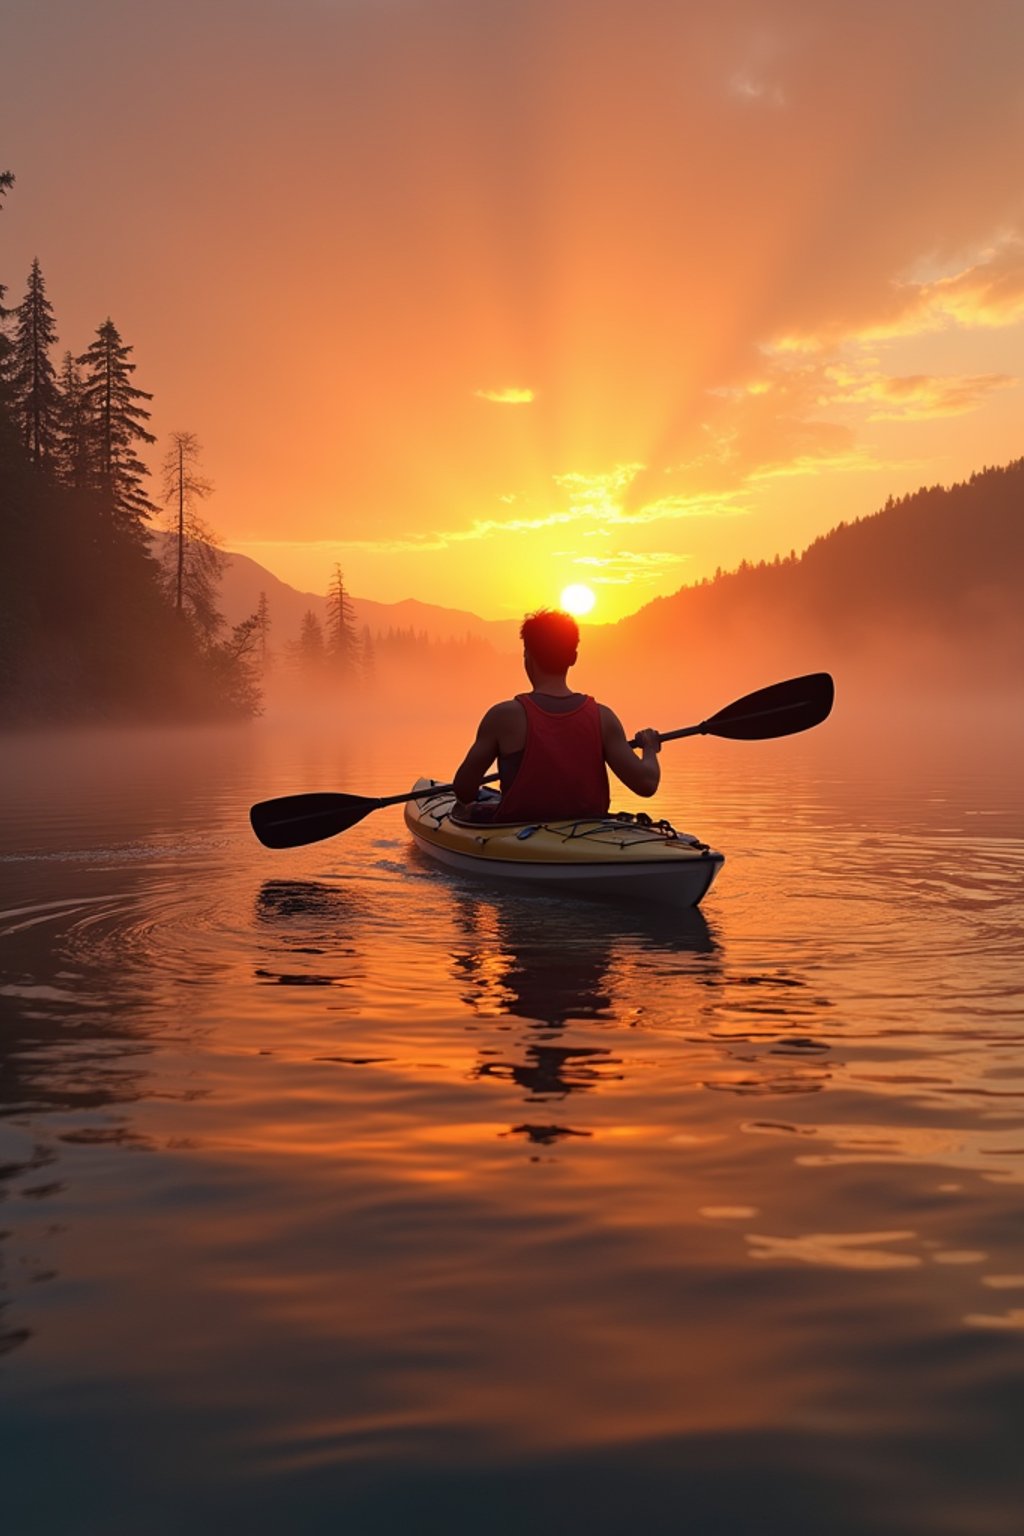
(929, 586)
(931, 581)
(244, 580)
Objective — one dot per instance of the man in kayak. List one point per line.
(553, 746)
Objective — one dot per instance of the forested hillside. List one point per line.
(91, 627)
(926, 591)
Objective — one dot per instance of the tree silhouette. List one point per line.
(116, 424)
(342, 642)
(234, 663)
(193, 565)
(86, 632)
(308, 651)
(33, 381)
(6, 350)
(73, 440)
(263, 626)
(367, 657)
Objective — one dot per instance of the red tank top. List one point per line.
(562, 773)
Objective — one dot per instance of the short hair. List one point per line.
(551, 637)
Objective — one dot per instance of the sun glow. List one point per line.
(577, 599)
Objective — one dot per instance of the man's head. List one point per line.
(550, 639)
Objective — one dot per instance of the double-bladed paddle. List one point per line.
(795, 705)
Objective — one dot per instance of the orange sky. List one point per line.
(481, 297)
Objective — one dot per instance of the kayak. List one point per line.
(616, 855)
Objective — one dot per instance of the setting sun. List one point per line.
(577, 599)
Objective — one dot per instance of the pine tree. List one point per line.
(263, 623)
(116, 427)
(192, 565)
(73, 440)
(6, 350)
(342, 643)
(368, 657)
(34, 383)
(235, 664)
(308, 651)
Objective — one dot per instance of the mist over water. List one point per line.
(337, 1191)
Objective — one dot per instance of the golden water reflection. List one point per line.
(341, 1165)
(553, 963)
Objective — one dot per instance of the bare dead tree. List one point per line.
(193, 571)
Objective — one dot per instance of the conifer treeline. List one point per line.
(91, 626)
(941, 557)
(337, 655)
(99, 620)
(927, 589)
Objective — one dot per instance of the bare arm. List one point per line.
(640, 774)
(478, 759)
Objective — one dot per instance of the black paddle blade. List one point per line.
(293, 820)
(781, 710)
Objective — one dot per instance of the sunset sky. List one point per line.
(483, 297)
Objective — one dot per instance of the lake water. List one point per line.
(341, 1194)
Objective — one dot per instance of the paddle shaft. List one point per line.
(687, 730)
(434, 789)
(780, 710)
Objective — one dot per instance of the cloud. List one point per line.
(506, 396)
(483, 527)
(756, 92)
(332, 546)
(914, 397)
(596, 507)
(724, 503)
(816, 464)
(598, 491)
(756, 81)
(991, 293)
(795, 417)
(828, 383)
(606, 499)
(776, 426)
(628, 567)
(598, 502)
(988, 295)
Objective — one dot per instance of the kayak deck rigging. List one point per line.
(622, 853)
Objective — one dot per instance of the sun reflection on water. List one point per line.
(420, 1173)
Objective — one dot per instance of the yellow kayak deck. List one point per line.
(620, 854)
